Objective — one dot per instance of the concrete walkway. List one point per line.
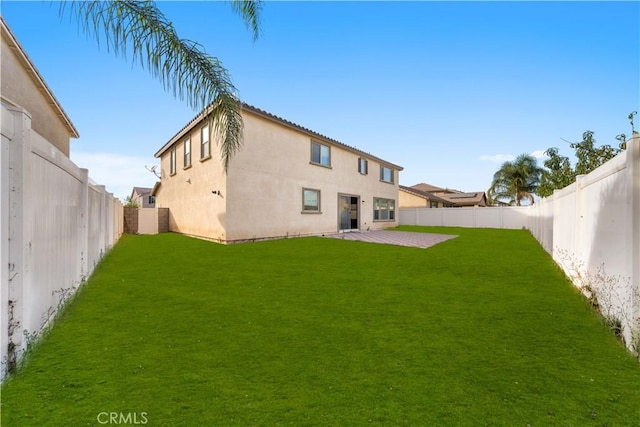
(400, 238)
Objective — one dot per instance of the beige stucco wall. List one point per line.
(267, 177)
(148, 221)
(262, 193)
(193, 209)
(408, 200)
(19, 88)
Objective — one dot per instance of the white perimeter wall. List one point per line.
(591, 228)
(54, 229)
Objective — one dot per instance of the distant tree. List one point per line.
(139, 31)
(559, 173)
(130, 203)
(516, 181)
(589, 156)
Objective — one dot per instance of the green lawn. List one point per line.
(480, 330)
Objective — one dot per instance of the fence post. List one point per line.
(101, 239)
(84, 225)
(19, 151)
(633, 171)
(553, 225)
(110, 215)
(7, 134)
(578, 250)
(475, 219)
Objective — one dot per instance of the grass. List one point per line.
(480, 330)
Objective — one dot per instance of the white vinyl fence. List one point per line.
(591, 229)
(55, 227)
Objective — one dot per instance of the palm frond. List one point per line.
(140, 32)
(249, 10)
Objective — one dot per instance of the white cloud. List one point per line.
(539, 154)
(118, 173)
(497, 158)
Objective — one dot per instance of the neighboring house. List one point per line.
(142, 197)
(413, 198)
(23, 86)
(286, 180)
(454, 198)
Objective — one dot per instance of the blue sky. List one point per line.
(448, 90)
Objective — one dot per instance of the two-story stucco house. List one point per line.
(142, 197)
(23, 86)
(285, 181)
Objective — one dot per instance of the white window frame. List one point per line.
(318, 209)
(384, 209)
(187, 153)
(320, 156)
(172, 161)
(205, 143)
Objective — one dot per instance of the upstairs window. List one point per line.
(320, 154)
(172, 161)
(205, 146)
(363, 166)
(386, 174)
(187, 153)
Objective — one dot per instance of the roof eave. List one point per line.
(268, 116)
(31, 69)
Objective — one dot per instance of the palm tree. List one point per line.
(139, 31)
(516, 180)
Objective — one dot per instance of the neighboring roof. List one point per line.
(141, 190)
(427, 187)
(424, 194)
(31, 69)
(463, 195)
(156, 187)
(467, 199)
(447, 195)
(280, 120)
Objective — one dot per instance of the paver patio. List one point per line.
(400, 238)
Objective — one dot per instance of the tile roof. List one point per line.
(262, 113)
(156, 187)
(455, 197)
(427, 187)
(424, 194)
(466, 199)
(141, 190)
(462, 195)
